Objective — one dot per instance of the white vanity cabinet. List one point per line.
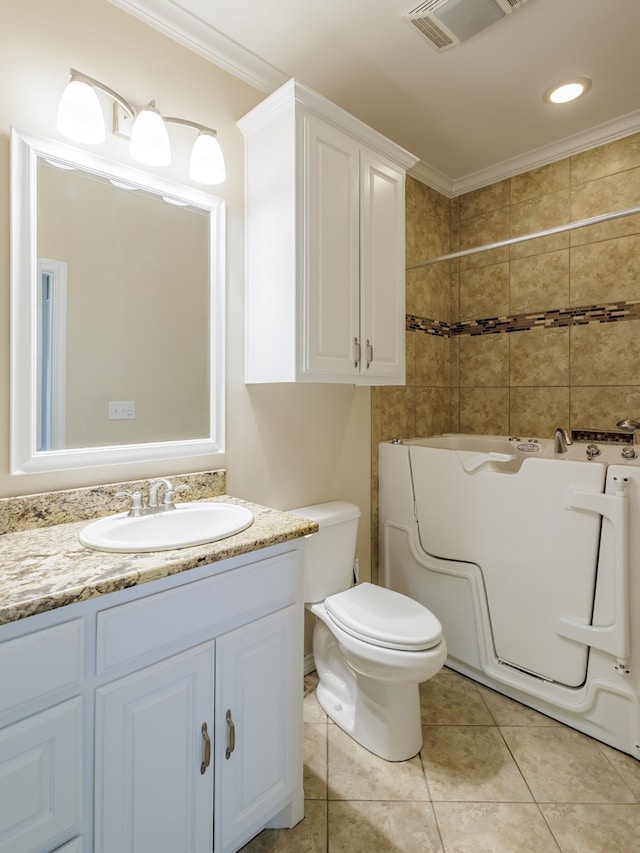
(166, 717)
(325, 281)
(41, 716)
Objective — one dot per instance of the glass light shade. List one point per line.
(207, 161)
(80, 115)
(149, 138)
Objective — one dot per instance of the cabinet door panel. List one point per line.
(150, 793)
(331, 250)
(382, 268)
(40, 777)
(255, 682)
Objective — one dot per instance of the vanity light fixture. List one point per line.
(562, 93)
(80, 118)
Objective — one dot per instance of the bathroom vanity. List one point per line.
(150, 702)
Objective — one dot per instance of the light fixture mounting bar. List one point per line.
(126, 106)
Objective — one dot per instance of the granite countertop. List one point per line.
(47, 567)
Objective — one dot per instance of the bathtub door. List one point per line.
(537, 558)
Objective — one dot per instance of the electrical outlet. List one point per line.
(122, 410)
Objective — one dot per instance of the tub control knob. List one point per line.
(629, 453)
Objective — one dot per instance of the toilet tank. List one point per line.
(329, 554)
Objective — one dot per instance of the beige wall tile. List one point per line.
(539, 357)
(484, 360)
(484, 200)
(484, 292)
(432, 405)
(410, 234)
(606, 354)
(605, 195)
(484, 411)
(398, 412)
(428, 292)
(454, 292)
(431, 202)
(432, 360)
(606, 272)
(432, 237)
(536, 412)
(542, 181)
(604, 160)
(539, 282)
(410, 356)
(606, 230)
(454, 411)
(410, 188)
(602, 408)
(540, 245)
(484, 229)
(539, 214)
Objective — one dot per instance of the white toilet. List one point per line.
(372, 646)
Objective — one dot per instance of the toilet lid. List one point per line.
(384, 618)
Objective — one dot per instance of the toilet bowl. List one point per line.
(372, 646)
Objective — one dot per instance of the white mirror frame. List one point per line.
(24, 456)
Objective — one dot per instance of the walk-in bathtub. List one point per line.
(530, 559)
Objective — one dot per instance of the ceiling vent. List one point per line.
(446, 23)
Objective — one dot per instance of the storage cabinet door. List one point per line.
(150, 792)
(330, 252)
(41, 778)
(382, 269)
(258, 683)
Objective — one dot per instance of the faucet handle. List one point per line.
(170, 494)
(136, 501)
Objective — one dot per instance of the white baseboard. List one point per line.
(309, 664)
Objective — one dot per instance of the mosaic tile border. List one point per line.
(611, 312)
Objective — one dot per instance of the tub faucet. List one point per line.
(561, 441)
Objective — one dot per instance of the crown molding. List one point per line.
(173, 20)
(599, 135)
(170, 18)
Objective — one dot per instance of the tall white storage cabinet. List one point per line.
(325, 256)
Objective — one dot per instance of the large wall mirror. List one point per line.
(117, 312)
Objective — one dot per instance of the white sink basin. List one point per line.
(186, 525)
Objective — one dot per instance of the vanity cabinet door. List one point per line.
(258, 758)
(151, 793)
(41, 778)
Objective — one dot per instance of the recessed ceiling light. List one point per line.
(562, 93)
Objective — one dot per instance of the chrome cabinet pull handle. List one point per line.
(231, 735)
(206, 745)
(356, 347)
(369, 353)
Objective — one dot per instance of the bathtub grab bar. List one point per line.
(613, 639)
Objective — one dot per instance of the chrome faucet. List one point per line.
(561, 441)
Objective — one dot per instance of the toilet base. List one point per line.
(382, 716)
(385, 719)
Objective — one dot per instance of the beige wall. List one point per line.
(286, 445)
(535, 370)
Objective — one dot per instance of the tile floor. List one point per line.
(492, 776)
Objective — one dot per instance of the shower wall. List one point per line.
(521, 339)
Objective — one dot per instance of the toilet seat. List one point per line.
(384, 618)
